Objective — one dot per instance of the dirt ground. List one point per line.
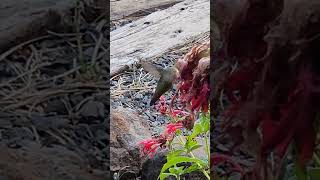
(54, 101)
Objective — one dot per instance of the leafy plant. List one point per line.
(184, 152)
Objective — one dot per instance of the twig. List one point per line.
(79, 39)
(96, 50)
(13, 49)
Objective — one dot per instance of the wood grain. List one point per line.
(158, 32)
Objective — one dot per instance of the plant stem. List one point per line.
(178, 177)
(192, 155)
(207, 147)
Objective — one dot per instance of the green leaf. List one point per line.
(196, 130)
(175, 153)
(194, 147)
(205, 123)
(193, 167)
(165, 175)
(190, 142)
(178, 132)
(180, 159)
(176, 170)
(201, 126)
(172, 170)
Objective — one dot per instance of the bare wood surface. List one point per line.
(158, 32)
(123, 8)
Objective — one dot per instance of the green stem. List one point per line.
(207, 148)
(192, 155)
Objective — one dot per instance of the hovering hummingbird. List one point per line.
(166, 78)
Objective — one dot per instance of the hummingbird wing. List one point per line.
(151, 68)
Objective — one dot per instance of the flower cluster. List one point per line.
(193, 90)
(194, 86)
(162, 106)
(278, 88)
(150, 146)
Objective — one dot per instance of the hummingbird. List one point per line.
(166, 78)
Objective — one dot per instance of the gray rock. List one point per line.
(127, 129)
(5, 123)
(138, 96)
(93, 109)
(52, 122)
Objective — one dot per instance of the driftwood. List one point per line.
(158, 32)
(123, 8)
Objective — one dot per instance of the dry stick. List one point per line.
(100, 25)
(79, 39)
(60, 75)
(93, 36)
(13, 49)
(14, 94)
(29, 61)
(63, 34)
(118, 75)
(18, 70)
(37, 99)
(61, 140)
(67, 105)
(25, 73)
(78, 106)
(44, 98)
(35, 132)
(120, 92)
(66, 137)
(96, 49)
(89, 131)
(101, 16)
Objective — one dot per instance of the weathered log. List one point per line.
(123, 8)
(158, 32)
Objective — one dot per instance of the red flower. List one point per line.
(177, 112)
(173, 127)
(162, 99)
(150, 146)
(162, 106)
(202, 99)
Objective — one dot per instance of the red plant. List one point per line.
(150, 146)
(194, 88)
(162, 106)
(217, 159)
(274, 42)
(171, 128)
